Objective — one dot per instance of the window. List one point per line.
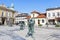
(58, 14)
(2, 13)
(6, 14)
(42, 21)
(48, 14)
(53, 14)
(9, 14)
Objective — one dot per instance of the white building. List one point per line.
(21, 17)
(53, 15)
(39, 18)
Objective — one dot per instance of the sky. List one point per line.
(27, 6)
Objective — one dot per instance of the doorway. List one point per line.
(38, 21)
(3, 20)
(52, 22)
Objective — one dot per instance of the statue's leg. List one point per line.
(32, 31)
(21, 27)
(28, 34)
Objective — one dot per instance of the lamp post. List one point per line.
(47, 22)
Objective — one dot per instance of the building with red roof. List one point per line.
(40, 18)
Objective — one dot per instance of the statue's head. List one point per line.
(31, 20)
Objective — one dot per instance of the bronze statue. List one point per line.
(30, 27)
(22, 24)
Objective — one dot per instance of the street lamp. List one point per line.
(47, 24)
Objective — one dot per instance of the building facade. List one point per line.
(39, 18)
(21, 17)
(6, 15)
(53, 15)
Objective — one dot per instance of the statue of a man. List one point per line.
(30, 27)
(22, 25)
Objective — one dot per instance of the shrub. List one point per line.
(40, 24)
(57, 25)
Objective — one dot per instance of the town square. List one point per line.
(29, 20)
(14, 33)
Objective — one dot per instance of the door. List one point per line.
(38, 21)
(3, 20)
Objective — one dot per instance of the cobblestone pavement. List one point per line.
(6, 33)
(41, 34)
(14, 33)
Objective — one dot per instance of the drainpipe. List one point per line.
(47, 22)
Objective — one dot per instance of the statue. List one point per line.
(30, 27)
(10, 22)
(22, 24)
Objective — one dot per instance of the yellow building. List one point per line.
(6, 15)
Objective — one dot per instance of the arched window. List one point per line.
(42, 21)
(38, 21)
